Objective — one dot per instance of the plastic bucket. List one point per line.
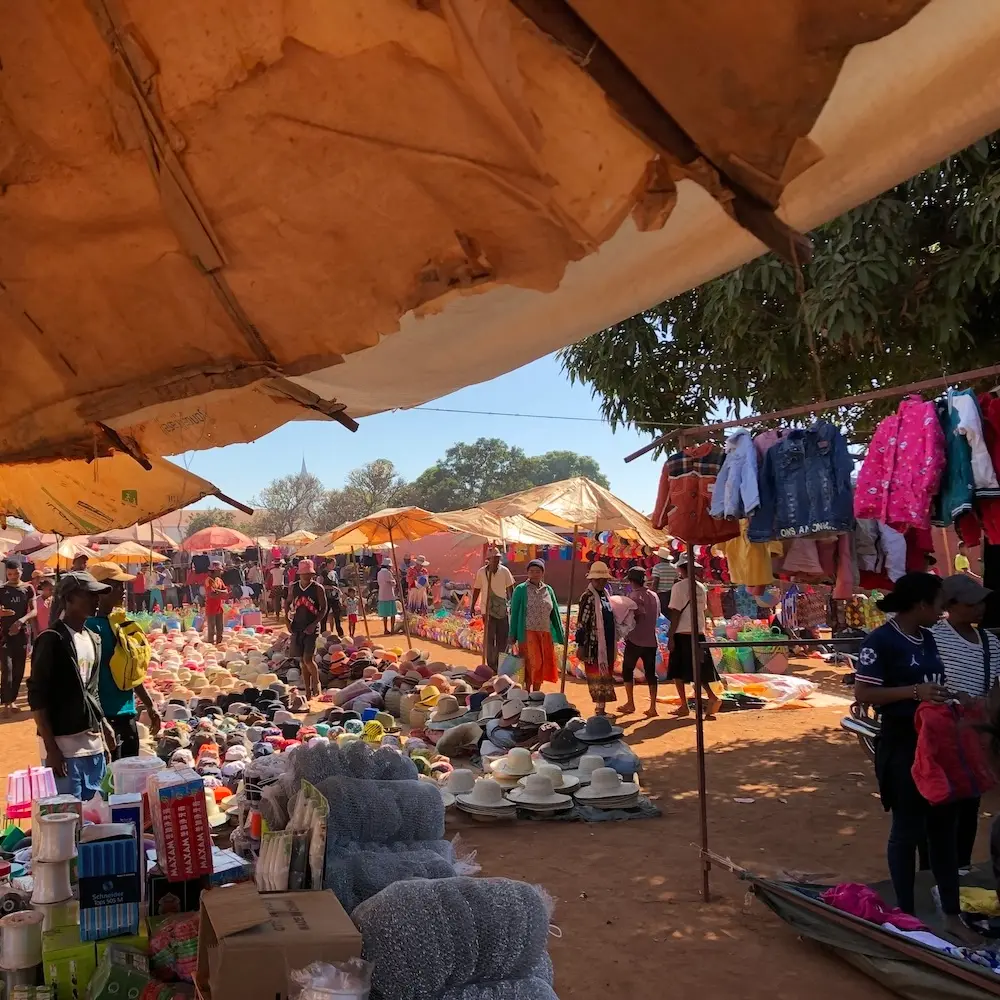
(130, 773)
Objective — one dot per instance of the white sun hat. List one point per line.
(486, 798)
(607, 789)
(460, 781)
(515, 764)
(586, 766)
(537, 793)
(563, 782)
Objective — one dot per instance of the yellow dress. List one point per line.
(749, 562)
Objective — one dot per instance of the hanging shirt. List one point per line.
(891, 658)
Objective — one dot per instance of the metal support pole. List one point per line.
(569, 607)
(699, 722)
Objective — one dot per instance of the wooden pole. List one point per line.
(569, 607)
(362, 597)
(699, 722)
(395, 565)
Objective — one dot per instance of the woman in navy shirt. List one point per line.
(899, 667)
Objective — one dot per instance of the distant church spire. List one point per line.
(304, 471)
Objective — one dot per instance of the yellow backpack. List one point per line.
(130, 660)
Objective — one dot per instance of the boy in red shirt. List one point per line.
(215, 591)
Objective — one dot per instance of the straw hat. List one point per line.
(516, 764)
(607, 789)
(561, 780)
(486, 798)
(599, 571)
(373, 732)
(460, 781)
(531, 717)
(536, 792)
(490, 709)
(447, 708)
(459, 741)
(586, 766)
(510, 710)
(429, 696)
(216, 817)
(664, 553)
(265, 680)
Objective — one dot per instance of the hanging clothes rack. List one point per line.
(823, 404)
(682, 435)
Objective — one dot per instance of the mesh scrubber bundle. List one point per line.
(382, 811)
(426, 938)
(355, 760)
(357, 876)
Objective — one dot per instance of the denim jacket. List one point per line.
(736, 494)
(805, 486)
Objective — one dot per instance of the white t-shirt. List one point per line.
(680, 598)
(277, 576)
(84, 744)
(501, 581)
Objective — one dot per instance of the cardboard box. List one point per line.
(67, 963)
(180, 823)
(133, 942)
(164, 897)
(109, 881)
(248, 942)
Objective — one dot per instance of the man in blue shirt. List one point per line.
(119, 706)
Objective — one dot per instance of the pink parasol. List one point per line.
(216, 537)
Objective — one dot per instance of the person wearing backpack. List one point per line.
(118, 702)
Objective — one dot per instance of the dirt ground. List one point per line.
(627, 895)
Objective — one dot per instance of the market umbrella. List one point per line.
(217, 537)
(130, 554)
(389, 525)
(496, 528)
(300, 537)
(142, 534)
(61, 555)
(33, 541)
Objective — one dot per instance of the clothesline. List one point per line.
(818, 406)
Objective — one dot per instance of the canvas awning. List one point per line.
(214, 224)
(60, 556)
(478, 521)
(582, 503)
(75, 497)
(141, 534)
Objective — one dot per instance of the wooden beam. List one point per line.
(820, 406)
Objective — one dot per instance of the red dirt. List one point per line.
(628, 894)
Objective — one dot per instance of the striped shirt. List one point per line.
(964, 669)
(664, 575)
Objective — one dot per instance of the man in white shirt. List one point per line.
(277, 593)
(496, 583)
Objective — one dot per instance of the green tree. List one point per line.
(554, 466)
(369, 488)
(221, 516)
(289, 503)
(470, 474)
(899, 289)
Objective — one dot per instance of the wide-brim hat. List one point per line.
(598, 729)
(606, 783)
(486, 796)
(515, 764)
(447, 708)
(563, 746)
(664, 553)
(599, 571)
(563, 782)
(535, 791)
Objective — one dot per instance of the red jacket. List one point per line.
(950, 763)
(685, 496)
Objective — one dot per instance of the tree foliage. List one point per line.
(289, 503)
(902, 288)
(221, 516)
(470, 474)
(369, 488)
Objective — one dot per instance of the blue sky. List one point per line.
(415, 439)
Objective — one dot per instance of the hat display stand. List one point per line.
(21, 941)
(51, 882)
(56, 837)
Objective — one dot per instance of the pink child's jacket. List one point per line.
(902, 471)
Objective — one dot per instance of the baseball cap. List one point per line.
(963, 589)
(72, 583)
(105, 571)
